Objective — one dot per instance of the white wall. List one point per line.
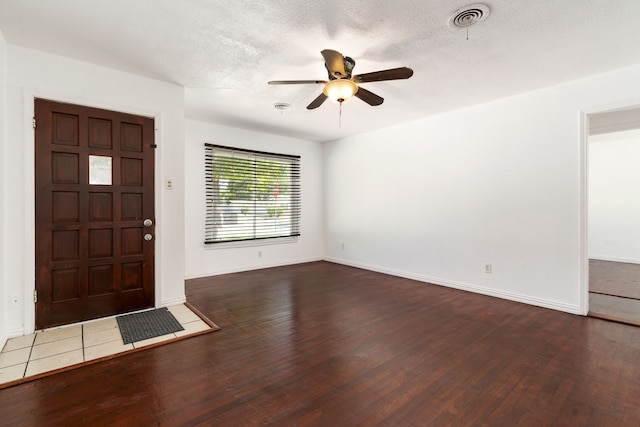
(31, 73)
(499, 183)
(3, 242)
(614, 196)
(206, 260)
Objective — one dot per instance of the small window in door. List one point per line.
(100, 170)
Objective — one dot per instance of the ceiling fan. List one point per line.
(342, 85)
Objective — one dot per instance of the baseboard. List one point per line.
(15, 332)
(539, 302)
(174, 301)
(250, 267)
(614, 259)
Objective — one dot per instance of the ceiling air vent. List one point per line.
(469, 15)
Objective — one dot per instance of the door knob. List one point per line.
(147, 222)
(148, 237)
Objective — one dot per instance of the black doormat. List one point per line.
(147, 324)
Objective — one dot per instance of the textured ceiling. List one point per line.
(224, 52)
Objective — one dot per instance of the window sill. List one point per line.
(252, 243)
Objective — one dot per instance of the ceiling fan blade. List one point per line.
(317, 102)
(296, 82)
(378, 76)
(369, 97)
(334, 61)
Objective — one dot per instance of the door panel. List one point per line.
(94, 188)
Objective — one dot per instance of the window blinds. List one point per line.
(250, 195)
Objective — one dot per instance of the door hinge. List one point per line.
(34, 122)
(35, 297)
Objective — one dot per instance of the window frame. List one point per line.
(214, 213)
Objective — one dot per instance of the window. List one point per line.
(100, 170)
(251, 195)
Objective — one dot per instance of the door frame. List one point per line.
(29, 96)
(584, 192)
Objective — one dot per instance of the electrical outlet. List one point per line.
(487, 268)
(259, 254)
(342, 246)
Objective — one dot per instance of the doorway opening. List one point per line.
(614, 215)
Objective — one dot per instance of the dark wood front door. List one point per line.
(94, 190)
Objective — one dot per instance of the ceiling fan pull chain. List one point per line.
(340, 117)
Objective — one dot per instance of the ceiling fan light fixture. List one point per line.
(340, 90)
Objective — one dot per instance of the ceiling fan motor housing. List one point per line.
(349, 63)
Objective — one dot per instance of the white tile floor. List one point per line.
(57, 348)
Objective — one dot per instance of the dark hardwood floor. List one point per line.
(614, 291)
(614, 278)
(322, 344)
